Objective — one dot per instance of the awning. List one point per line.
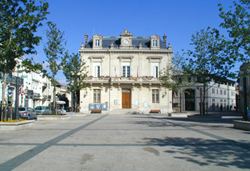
(60, 102)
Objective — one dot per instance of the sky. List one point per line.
(179, 19)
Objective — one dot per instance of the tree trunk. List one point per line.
(76, 100)
(204, 99)
(54, 100)
(180, 100)
(3, 106)
(72, 101)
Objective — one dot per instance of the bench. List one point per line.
(155, 111)
(96, 111)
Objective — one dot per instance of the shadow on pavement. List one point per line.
(184, 122)
(160, 120)
(204, 152)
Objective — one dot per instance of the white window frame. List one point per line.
(155, 96)
(126, 70)
(97, 96)
(97, 69)
(155, 43)
(97, 42)
(155, 67)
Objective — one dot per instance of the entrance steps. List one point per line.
(124, 111)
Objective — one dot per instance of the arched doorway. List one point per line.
(190, 100)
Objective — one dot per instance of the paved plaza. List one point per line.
(125, 142)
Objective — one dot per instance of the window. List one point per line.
(126, 70)
(213, 104)
(221, 92)
(97, 42)
(155, 96)
(225, 92)
(155, 43)
(97, 69)
(213, 91)
(155, 70)
(175, 93)
(97, 96)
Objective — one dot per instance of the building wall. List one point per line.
(219, 97)
(244, 74)
(36, 90)
(141, 98)
(111, 80)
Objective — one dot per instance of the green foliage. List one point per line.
(54, 50)
(19, 22)
(74, 70)
(29, 66)
(209, 59)
(173, 77)
(236, 20)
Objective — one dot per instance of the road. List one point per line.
(125, 142)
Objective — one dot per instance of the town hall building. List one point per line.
(123, 73)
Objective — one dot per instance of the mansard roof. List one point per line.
(107, 42)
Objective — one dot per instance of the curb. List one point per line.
(15, 125)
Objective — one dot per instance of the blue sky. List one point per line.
(179, 19)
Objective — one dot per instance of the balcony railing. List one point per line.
(36, 96)
(132, 80)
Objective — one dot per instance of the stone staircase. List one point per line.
(123, 111)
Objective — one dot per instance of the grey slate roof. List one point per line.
(107, 41)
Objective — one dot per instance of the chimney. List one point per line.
(86, 39)
(164, 40)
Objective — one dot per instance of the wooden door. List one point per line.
(126, 98)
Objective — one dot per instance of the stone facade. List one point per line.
(34, 89)
(123, 72)
(218, 97)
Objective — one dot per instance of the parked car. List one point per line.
(42, 110)
(27, 113)
(61, 111)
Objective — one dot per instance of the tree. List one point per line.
(54, 51)
(208, 61)
(19, 21)
(74, 70)
(173, 76)
(236, 21)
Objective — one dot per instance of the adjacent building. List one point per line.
(12, 82)
(245, 88)
(32, 89)
(123, 73)
(36, 89)
(218, 97)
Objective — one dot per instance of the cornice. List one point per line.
(146, 51)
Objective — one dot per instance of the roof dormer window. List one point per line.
(97, 41)
(155, 41)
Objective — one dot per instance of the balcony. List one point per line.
(37, 96)
(123, 80)
(46, 97)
